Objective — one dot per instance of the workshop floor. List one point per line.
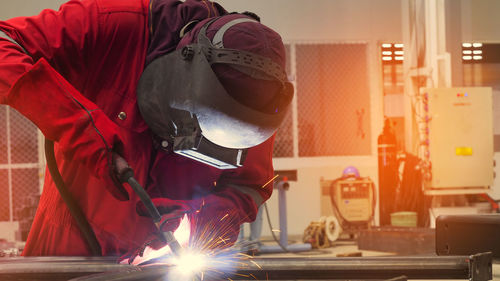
(340, 248)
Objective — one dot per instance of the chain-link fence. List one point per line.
(3, 135)
(333, 101)
(24, 185)
(4, 199)
(23, 139)
(283, 144)
(19, 167)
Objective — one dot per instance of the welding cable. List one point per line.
(75, 210)
(272, 232)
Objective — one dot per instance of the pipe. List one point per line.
(476, 268)
(414, 267)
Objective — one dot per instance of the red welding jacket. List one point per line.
(99, 47)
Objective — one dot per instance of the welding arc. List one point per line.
(75, 210)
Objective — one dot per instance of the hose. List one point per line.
(74, 209)
(272, 232)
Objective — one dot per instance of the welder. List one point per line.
(187, 93)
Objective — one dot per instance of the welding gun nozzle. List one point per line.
(172, 243)
(126, 174)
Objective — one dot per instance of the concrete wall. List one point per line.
(480, 20)
(327, 19)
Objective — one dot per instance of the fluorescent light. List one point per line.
(399, 45)
(467, 52)
(386, 45)
(477, 57)
(399, 58)
(466, 45)
(386, 58)
(477, 52)
(386, 53)
(477, 45)
(400, 53)
(466, 57)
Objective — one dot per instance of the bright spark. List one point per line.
(269, 181)
(256, 264)
(225, 216)
(183, 232)
(206, 250)
(182, 235)
(189, 264)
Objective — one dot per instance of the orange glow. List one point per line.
(207, 253)
(207, 240)
(270, 181)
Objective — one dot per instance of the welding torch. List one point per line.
(126, 174)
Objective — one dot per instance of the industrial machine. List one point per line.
(458, 140)
(477, 233)
(350, 199)
(353, 202)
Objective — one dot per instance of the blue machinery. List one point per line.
(282, 186)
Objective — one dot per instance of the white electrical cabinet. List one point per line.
(460, 139)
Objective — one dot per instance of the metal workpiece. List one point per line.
(57, 268)
(475, 267)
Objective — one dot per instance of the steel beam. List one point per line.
(475, 267)
(57, 268)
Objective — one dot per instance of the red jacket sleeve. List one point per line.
(42, 94)
(62, 37)
(257, 171)
(244, 189)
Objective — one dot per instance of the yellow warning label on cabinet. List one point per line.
(463, 151)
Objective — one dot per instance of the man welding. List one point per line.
(187, 93)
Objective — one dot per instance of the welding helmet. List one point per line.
(350, 172)
(185, 104)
